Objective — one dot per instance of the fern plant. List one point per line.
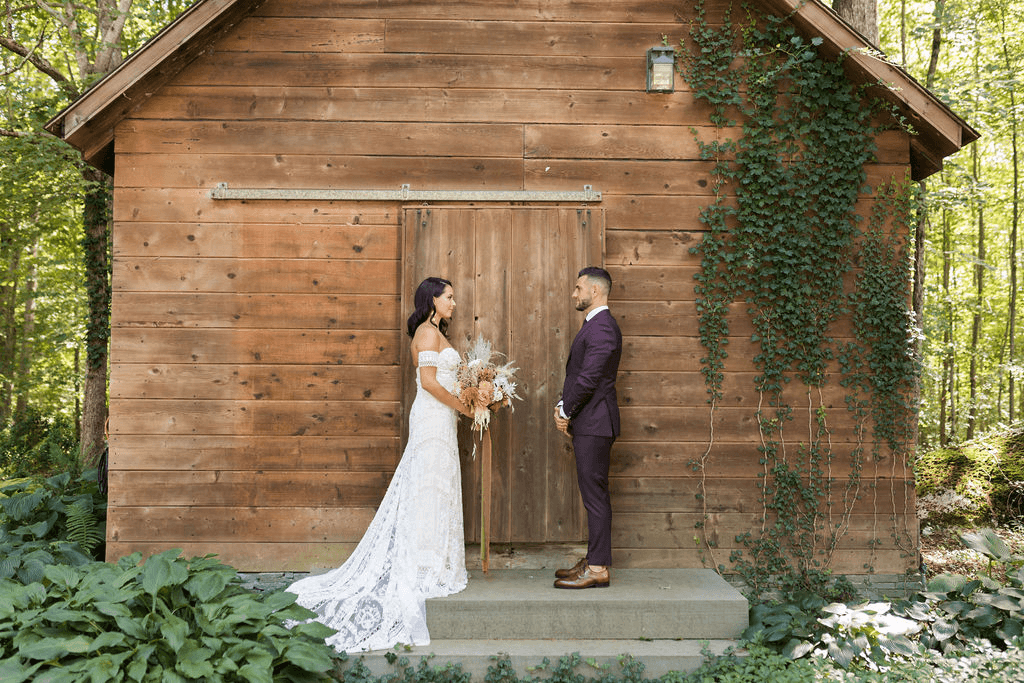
(45, 521)
(83, 527)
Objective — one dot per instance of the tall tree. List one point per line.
(860, 14)
(28, 325)
(41, 274)
(85, 42)
(979, 266)
(1011, 304)
(947, 390)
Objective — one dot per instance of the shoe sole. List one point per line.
(593, 585)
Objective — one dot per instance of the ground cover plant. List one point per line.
(46, 521)
(65, 616)
(169, 619)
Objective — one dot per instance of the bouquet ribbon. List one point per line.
(485, 500)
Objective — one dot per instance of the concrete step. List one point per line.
(518, 604)
(664, 618)
(526, 657)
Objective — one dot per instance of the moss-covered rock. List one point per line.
(980, 482)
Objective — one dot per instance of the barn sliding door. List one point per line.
(513, 270)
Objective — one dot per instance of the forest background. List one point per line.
(54, 227)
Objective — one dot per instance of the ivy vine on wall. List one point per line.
(785, 246)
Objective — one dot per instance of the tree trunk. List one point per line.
(918, 292)
(861, 15)
(903, 33)
(28, 328)
(946, 391)
(933, 62)
(920, 230)
(979, 263)
(96, 219)
(979, 293)
(1011, 305)
(8, 324)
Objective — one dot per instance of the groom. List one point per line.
(589, 413)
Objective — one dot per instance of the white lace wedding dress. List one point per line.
(414, 548)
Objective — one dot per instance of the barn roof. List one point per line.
(88, 123)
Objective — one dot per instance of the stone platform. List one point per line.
(662, 617)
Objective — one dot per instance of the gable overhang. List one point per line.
(938, 132)
(88, 123)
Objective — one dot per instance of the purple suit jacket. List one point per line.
(588, 394)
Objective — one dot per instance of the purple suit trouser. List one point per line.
(593, 458)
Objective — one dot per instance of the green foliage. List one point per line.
(957, 610)
(756, 663)
(979, 663)
(786, 247)
(35, 444)
(169, 619)
(862, 634)
(880, 367)
(58, 520)
(978, 482)
(41, 262)
(988, 543)
(424, 672)
(951, 617)
(979, 76)
(45, 197)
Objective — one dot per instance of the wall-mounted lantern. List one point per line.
(661, 69)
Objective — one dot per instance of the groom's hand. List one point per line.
(561, 423)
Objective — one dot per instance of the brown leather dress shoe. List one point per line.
(588, 578)
(573, 571)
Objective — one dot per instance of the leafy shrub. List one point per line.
(979, 663)
(58, 520)
(35, 444)
(953, 614)
(785, 626)
(958, 611)
(167, 620)
(865, 633)
(756, 663)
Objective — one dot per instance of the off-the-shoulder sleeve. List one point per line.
(428, 359)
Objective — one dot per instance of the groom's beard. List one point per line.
(583, 304)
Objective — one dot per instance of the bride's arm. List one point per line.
(428, 378)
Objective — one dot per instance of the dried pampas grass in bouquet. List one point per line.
(482, 385)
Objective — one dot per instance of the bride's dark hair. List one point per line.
(424, 301)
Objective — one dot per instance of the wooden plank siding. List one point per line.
(256, 382)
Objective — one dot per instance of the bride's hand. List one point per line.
(468, 412)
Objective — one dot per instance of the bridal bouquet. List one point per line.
(483, 385)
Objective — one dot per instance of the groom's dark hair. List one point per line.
(595, 273)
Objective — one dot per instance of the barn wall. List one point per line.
(255, 380)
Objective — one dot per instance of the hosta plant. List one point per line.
(169, 619)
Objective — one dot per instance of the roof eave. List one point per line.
(939, 131)
(88, 122)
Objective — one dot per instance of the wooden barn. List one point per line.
(286, 171)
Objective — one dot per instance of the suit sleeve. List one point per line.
(599, 351)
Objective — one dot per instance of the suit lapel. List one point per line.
(575, 341)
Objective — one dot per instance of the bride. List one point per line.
(414, 548)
